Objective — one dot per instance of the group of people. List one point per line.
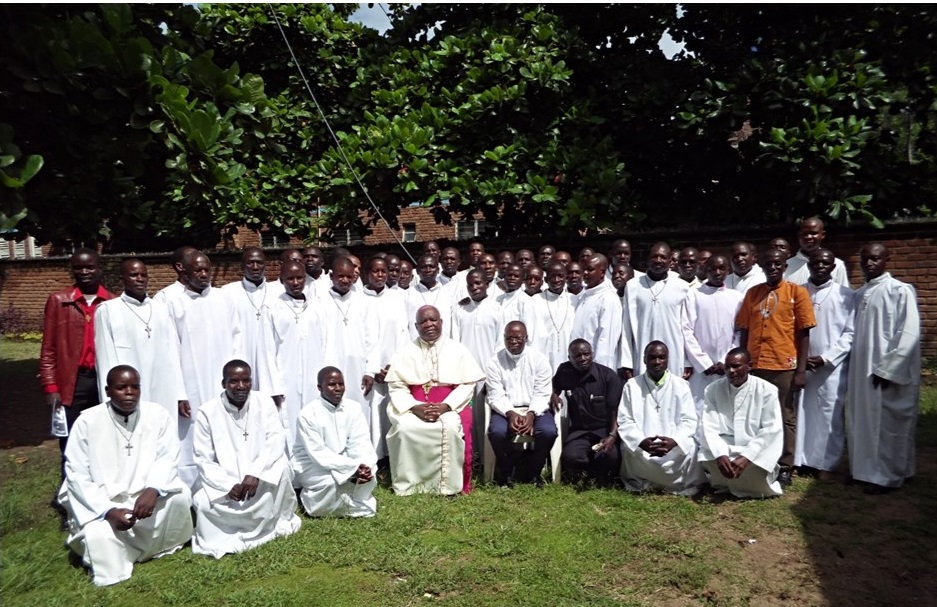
(705, 370)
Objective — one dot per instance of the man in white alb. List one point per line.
(135, 330)
(294, 336)
(427, 292)
(745, 272)
(654, 309)
(333, 459)
(810, 237)
(884, 377)
(249, 297)
(122, 493)
(554, 312)
(821, 432)
(709, 327)
(209, 334)
(245, 497)
(741, 434)
(657, 425)
(598, 316)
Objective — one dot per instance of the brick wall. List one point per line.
(913, 245)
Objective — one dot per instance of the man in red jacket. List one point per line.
(66, 361)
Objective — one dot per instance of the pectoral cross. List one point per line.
(148, 331)
(345, 320)
(128, 447)
(245, 435)
(258, 314)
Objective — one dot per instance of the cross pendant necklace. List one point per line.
(655, 297)
(146, 323)
(129, 448)
(342, 312)
(262, 300)
(296, 314)
(654, 396)
(122, 432)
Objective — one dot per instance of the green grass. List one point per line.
(524, 547)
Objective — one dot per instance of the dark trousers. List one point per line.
(784, 380)
(86, 396)
(515, 464)
(579, 459)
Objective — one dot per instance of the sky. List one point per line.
(375, 18)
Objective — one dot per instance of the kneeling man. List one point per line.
(521, 432)
(741, 434)
(657, 424)
(122, 491)
(245, 497)
(431, 383)
(333, 458)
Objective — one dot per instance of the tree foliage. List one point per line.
(184, 123)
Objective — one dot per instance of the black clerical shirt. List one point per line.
(592, 397)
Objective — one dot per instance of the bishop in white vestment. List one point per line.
(124, 499)
(657, 424)
(741, 437)
(432, 381)
(333, 460)
(884, 377)
(246, 496)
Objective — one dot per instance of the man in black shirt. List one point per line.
(593, 392)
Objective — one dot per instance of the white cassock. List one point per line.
(294, 333)
(318, 287)
(477, 326)
(821, 432)
(428, 457)
(880, 421)
(554, 314)
(654, 310)
(209, 337)
(332, 441)
(352, 337)
(418, 296)
(229, 445)
(743, 421)
(708, 333)
(249, 302)
(140, 334)
(755, 276)
(516, 305)
(665, 409)
(169, 292)
(390, 306)
(798, 273)
(597, 320)
(456, 286)
(102, 473)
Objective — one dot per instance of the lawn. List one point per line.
(819, 544)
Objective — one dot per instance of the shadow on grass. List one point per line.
(24, 417)
(877, 549)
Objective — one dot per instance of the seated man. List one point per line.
(122, 491)
(333, 458)
(431, 383)
(593, 392)
(741, 435)
(657, 424)
(521, 431)
(245, 497)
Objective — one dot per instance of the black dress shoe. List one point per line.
(872, 489)
(784, 477)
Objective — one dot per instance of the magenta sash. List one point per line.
(438, 394)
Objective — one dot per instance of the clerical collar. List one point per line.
(130, 299)
(880, 278)
(514, 357)
(122, 414)
(229, 406)
(733, 390)
(250, 286)
(427, 344)
(194, 294)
